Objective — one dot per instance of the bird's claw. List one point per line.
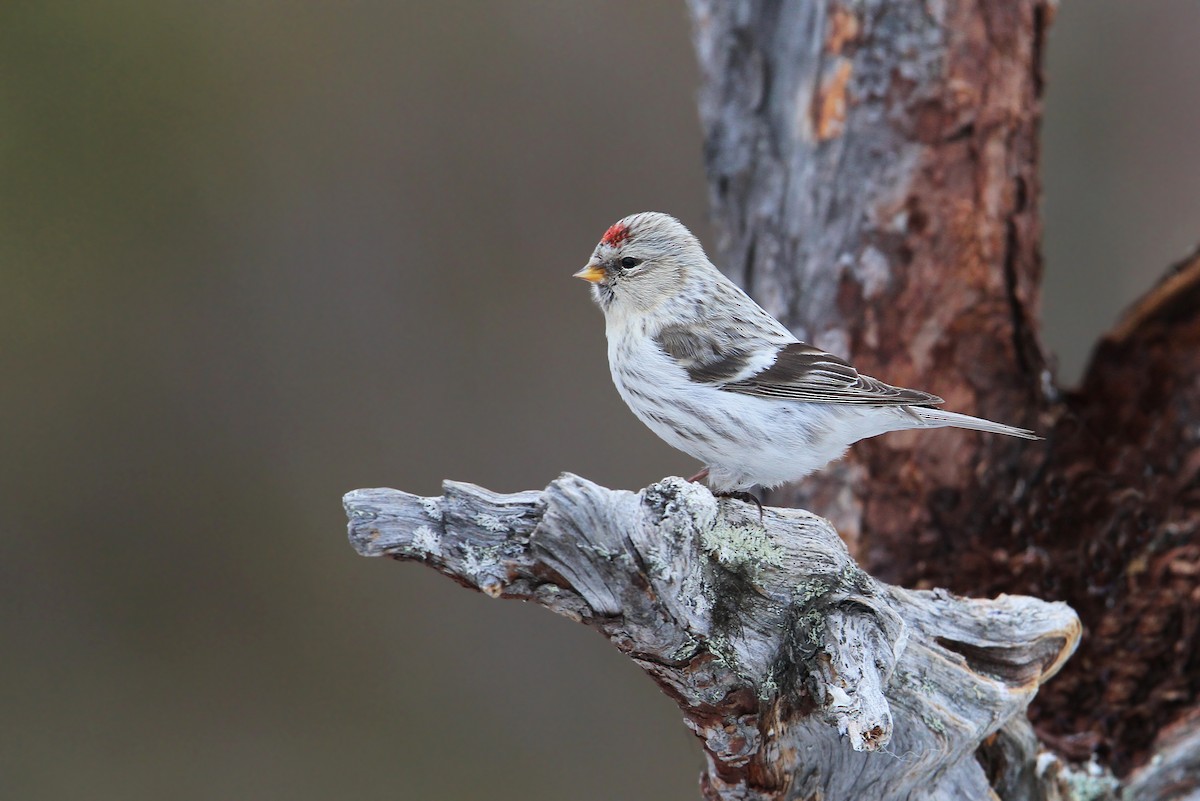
(745, 497)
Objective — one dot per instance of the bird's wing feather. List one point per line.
(798, 371)
(802, 372)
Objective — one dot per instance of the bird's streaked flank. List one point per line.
(716, 376)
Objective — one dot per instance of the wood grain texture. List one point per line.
(802, 676)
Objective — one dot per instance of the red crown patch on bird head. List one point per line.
(615, 235)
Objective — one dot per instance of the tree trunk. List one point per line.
(874, 174)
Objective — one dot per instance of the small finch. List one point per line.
(714, 375)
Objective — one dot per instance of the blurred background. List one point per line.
(256, 254)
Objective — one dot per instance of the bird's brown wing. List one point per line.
(708, 356)
(799, 372)
(804, 373)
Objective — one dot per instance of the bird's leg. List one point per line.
(737, 495)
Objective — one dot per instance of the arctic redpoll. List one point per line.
(716, 376)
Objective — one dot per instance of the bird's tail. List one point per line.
(937, 418)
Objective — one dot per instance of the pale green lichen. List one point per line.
(768, 688)
(852, 576)
(490, 522)
(811, 625)
(716, 646)
(737, 544)
(811, 589)
(722, 651)
(427, 541)
(432, 507)
(476, 561)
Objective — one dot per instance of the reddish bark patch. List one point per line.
(830, 106)
(843, 29)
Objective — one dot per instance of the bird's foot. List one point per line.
(737, 495)
(746, 497)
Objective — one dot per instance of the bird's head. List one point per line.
(641, 261)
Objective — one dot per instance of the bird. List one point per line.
(716, 376)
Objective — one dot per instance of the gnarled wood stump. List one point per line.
(802, 676)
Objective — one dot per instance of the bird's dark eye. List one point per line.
(629, 262)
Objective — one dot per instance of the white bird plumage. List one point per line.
(717, 377)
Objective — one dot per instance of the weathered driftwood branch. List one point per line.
(802, 676)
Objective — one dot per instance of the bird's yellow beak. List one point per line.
(593, 273)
